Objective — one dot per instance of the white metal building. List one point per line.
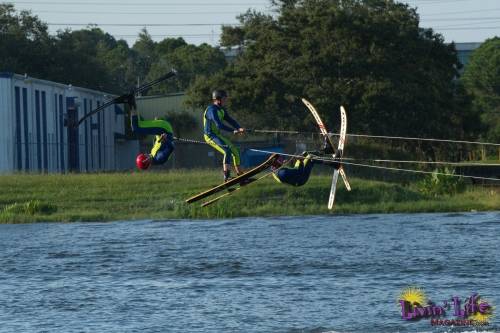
(464, 51)
(34, 131)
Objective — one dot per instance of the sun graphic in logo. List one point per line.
(483, 317)
(413, 295)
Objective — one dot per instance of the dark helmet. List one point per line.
(219, 94)
(278, 163)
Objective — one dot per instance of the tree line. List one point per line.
(94, 59)
(393, 76)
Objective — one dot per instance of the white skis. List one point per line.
(338, 154)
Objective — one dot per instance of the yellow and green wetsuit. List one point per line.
(297, 175)
(161, 150)
(212, 125)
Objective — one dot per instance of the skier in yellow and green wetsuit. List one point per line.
(164, 139)
(298, 174)
(213, 119)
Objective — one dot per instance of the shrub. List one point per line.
(441, 182)
(31, 207)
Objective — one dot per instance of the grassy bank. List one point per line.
(126, 196)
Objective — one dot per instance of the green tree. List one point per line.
(145, 54)
(94, 59)
(77, 58)
(482, 79)
(25, 44)
(88, 57)
(369, 55)
(119, 63)
(234, 36)
(191, 61)
(169, 44)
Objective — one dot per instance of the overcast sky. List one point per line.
(199, 21)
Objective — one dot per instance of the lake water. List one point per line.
(295, 274)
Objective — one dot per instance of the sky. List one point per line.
(200, 21)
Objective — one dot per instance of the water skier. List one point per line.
(213, 119)
(299, 173)
(163, 145)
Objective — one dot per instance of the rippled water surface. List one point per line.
(300, 274)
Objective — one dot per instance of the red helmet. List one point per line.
(143, 161)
